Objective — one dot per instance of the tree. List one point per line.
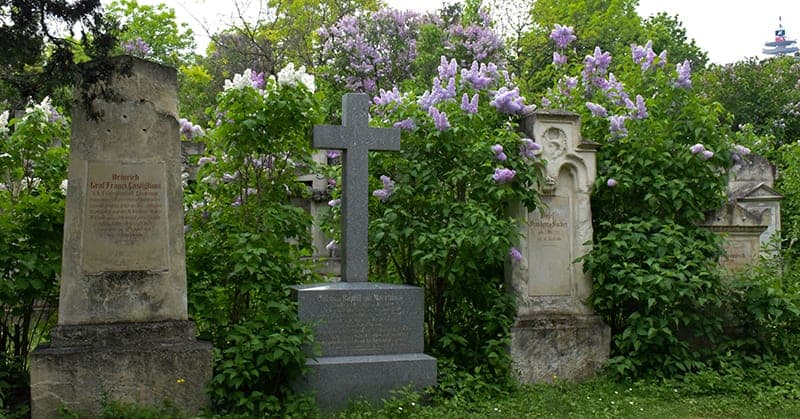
(667, 33)
(38, 53)
(612, 25)
(762, 93)
(167, 42)
(609, 24)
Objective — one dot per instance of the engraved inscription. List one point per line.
(125, 218)
(360, 323)
(550, 228)
(551, 239)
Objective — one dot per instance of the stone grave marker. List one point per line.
(555, 333)
(370, 334)
(123, 331)
(752, 216)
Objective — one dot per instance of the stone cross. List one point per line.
(355, 138)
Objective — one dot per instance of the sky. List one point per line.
(729, 30)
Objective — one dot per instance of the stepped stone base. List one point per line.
(548, 347)
(371, 341)
(142, 363)
(338, 380)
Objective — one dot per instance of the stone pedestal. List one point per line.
(142, 363)
(371, 341)
(555, 333)
(549, 347)
(123, 332)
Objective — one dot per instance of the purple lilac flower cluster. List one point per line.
(497, 149)
(137, 47)
(596, 66)
(470, 106)
(440, 120)
(479, 40)
(258, 79)
(508, 101)
(190, 130)
(386, 97)
(387, 190)
(597, 110)
(480, 76)
(738, 152)
(701, 152)
(645, 56)
(559, 59)
(528, 148)
(351, 44)
(515, 254)
(406, 124)
(562, 35)
(503, 175)
(684, 75)
(638, 109)
(617, 126)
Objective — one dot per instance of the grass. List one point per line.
(698, 396)
(769, 391)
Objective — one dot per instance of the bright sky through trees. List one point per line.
(728, 31)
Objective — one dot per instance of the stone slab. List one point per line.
(339, 380)
(123, 253)
(155, 369)
(121, 334)
(363, 318)
(564, 347)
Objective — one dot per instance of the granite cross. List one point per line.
(356, 139)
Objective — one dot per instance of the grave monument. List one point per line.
(370, 334)
(123, 333)
(555, 334)
(752, 216)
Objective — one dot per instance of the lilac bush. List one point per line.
(444, 225)
(380, 50)
(662, 165)
(366, 53)
(247, 239)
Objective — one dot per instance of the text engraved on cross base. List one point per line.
(362, 322)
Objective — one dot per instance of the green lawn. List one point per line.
(603, 398)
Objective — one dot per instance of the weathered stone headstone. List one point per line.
(370, 334)
(555, 333)
(123, 332)
(752, 216)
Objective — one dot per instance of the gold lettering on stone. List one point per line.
(125, 217)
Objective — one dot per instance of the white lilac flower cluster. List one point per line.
(288, 76)
(4, 123)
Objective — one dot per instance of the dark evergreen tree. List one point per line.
(41, 41)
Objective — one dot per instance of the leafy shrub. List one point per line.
(246, 240)
(762, 308)
(661, 165)
(33, 163)
(655, 284)
(439, 218)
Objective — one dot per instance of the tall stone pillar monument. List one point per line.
(123, 332)
(555, 334)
